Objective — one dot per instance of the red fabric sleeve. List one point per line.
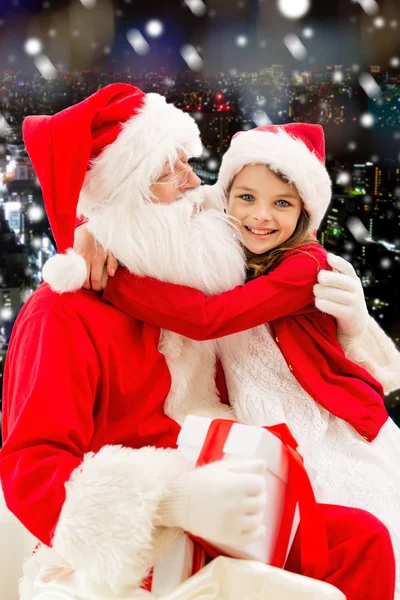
(50, 386)
(285, 291)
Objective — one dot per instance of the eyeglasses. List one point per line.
(179, 180)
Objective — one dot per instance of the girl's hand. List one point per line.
(99, 264)
(339, 293)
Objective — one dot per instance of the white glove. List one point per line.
(223, 502)
(339, 293)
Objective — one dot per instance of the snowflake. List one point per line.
(154, 28)
(191, 57)
(212, 164)
(386, 263)
(343, 178)
(338, 76)
(294, 9)
(137, 41)
(367, 120)
(45, 67)
(308, 32)
(295, 46)
(89, 4)
(369, 85)
(395, 61)
(358, 229)
(33, 46)
(379, 22)
(242, 40)
(197, 7)
(369, 6)
(261, 118)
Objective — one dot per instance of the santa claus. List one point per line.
(94, 398)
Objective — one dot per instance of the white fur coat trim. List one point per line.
(284, 154)
(106, 526)
(377, 353)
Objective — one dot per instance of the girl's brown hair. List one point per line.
(262, 264)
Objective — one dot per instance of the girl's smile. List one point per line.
(267, 208)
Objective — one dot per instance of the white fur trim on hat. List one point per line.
(287, 155)
(65, 272)
(148, 139)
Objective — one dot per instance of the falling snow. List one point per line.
(371, 7)
(261, 118)
(294, 9)
(242, 40)
(295, 46)
(367, 120)
(89, 4)
(379, 22)
(191, 57)
(45, 66)
(197, 7)
(154, 28)
(358, 229)
(308, 32)
(137, 41)
(33, 46)
(343, 178)
(212, 164)
(369, 85)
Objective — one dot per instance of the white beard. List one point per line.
(178, 243)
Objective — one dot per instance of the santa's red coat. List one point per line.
(81, 375)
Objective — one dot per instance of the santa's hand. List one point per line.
(98, 262)
(224, 502)
(339, 293)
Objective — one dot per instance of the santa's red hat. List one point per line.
(84, 155)
(295, 150)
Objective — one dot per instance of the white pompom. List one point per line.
(65, 272)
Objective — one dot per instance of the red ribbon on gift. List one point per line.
(313, 538)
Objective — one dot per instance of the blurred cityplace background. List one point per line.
(233, 65)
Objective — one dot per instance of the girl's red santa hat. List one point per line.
(102, 155)
(295, 150)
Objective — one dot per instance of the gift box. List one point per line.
(289, 490)
(182, 560)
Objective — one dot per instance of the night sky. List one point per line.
(79, 38)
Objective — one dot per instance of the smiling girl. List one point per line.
(291, 367)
